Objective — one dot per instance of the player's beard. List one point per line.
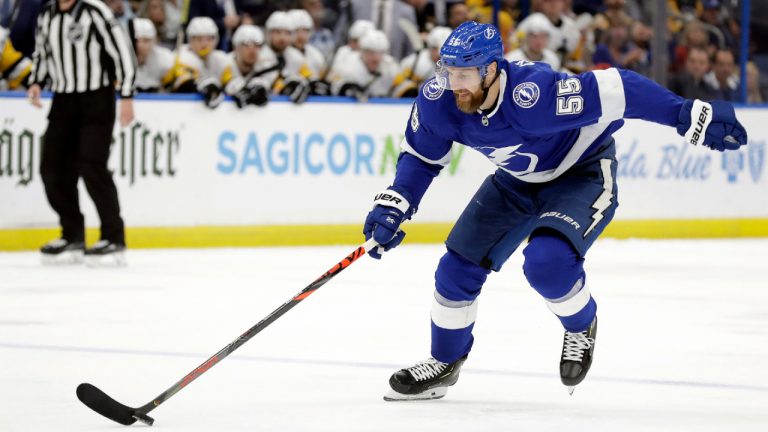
(468, 102)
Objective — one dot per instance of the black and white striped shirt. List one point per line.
(82, 49)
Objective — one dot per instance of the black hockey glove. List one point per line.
(297, 89)
(390, 209)
(212, 93)
(353, 90)
(258, 95)
(320, 88)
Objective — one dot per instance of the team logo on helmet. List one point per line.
(490, 32)
(526, 94)
(432, 90)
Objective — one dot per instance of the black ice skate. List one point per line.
(428, 379)
(62, 251)
(577, 356)
(104, 251)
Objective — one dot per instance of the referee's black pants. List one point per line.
(77, 144)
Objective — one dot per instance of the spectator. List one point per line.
(257, 11)
(457, 13)
(712, 17)
(420, 66)
(14, 66)
(386, 16)
(122, 11)
(537, 31)
(322, 37)
(755, 93)
(618, 51)
(723, 76)
(252, 77)
(690, 83)
(367, 73)
(694, 36)
(566, 36)
(155, 11)
(641, 36)
(155, 63)
(22, 25)
(482, 11)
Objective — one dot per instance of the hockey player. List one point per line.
(550, 134)
(14, 67)
(538, 30)
(302, 30)
(200, 67)
(294, 74)
(357, 30)
(252, 78)
(155, 63)
(420, 66)
(369, 73)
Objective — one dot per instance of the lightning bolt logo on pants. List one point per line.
(604, 200)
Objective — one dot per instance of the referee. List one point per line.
(83, 53)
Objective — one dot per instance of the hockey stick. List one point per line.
(100, 402)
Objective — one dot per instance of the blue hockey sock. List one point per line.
(457, 285)
(556, 271)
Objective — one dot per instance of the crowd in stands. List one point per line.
(252, 49)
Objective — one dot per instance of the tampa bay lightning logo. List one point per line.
(489, 33)
(756, 160)
(526, 94)
(432, 89)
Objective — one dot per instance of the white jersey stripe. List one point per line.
(612, 99)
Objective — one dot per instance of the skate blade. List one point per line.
(435, 393)
(571, 389)
(116, 259)
(64, 258)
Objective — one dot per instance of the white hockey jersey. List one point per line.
(157, 71)
(315, 60)
(241, 77)
(215, 67)
(412, 72)
(14, 67)
(295, 64)
(354, 71)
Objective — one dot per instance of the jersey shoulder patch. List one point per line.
(432, 90)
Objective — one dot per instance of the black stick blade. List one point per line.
(100, 402)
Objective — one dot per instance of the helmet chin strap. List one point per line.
(487, 89)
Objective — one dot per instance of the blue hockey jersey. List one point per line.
(542, 124)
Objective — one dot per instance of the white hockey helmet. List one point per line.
(375, 40)
(359, 28)
(144, 29)
(301, 19)
(279, 20)
(437, 36)
(248, 34)
(202, 26)
(537, 23)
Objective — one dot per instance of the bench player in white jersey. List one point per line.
(303, 26)
(252, 77)
(367, 73)
(357, 30)
(155, 63)
(418, 67)
(14, 67)
(294, 74)
(200, 67)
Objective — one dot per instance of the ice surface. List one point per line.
(682, 343)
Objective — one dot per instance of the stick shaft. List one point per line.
(261, 325)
